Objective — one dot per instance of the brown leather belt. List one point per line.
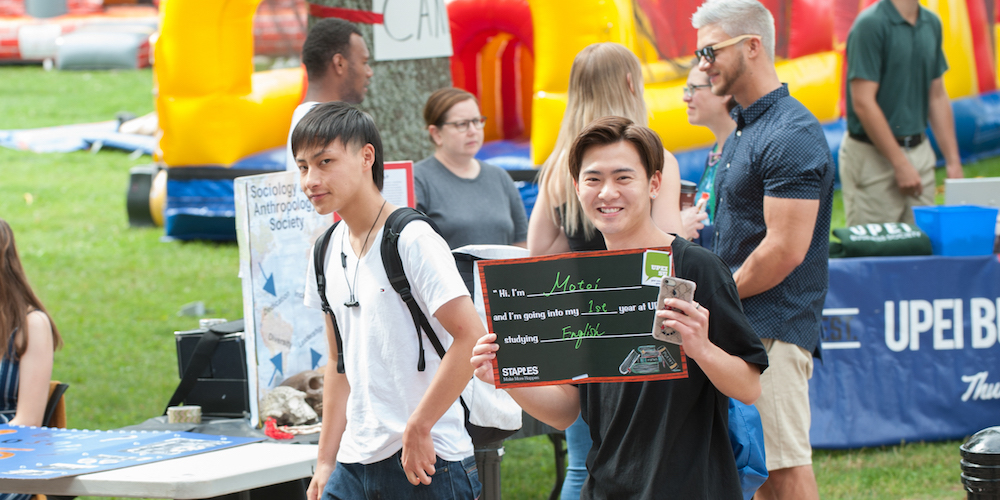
(910, 141)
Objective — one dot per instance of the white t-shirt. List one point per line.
(380, 342)
(297, 115)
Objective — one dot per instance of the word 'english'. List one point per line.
(579, 335)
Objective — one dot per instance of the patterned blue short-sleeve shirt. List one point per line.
(777, 149)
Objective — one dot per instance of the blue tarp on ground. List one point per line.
(66, 138)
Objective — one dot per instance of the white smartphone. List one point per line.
(677, 288)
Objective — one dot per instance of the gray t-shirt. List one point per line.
(481, 211)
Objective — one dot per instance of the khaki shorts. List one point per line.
(784, 405)
(868, 183)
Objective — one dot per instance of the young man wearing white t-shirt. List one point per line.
(389, 430)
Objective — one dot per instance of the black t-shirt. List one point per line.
(579, 241)
(670, 438)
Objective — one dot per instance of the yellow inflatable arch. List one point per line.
(213, 109)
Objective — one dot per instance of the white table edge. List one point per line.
(204, 475)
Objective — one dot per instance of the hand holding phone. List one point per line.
(676, 288)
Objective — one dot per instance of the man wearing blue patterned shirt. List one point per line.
(774, 185)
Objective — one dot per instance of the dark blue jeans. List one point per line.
(386, 480)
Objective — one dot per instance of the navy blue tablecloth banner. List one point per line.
(910, 351)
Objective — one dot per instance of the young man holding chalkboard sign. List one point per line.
(665, 438)
(392, 428)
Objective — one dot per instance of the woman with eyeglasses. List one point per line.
(707, 110)
(472, 202)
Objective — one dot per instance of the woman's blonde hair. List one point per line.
(598, 87)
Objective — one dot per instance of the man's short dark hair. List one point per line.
(326, 38)
(612, 130)
(334, 120)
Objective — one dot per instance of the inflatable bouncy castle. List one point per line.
(809, 45)
(515, 55)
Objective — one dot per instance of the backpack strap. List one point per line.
(319, 262)
(393, 264)
(200, 359)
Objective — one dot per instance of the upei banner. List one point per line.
(910, 351)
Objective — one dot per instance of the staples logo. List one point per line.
(519, 371)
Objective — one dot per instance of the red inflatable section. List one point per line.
(802, 27)
(493, 43)
(982, 43)
(843, 18)
(811, 28)
(670, 21)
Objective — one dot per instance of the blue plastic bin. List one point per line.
(959, 229)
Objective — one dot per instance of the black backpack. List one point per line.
(393, 264)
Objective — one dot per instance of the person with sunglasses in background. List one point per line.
(774, 189)
(473, 203)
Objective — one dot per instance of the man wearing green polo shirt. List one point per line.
(894, 69)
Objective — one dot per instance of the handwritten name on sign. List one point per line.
(578, 318)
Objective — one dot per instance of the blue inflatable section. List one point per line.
(204, 208)
(200, 204)
(692, 162)
(516, 155)
(977, 126)
(513, 155)
(268, 159)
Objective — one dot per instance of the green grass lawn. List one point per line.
(115, 291)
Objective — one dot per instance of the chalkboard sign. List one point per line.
(578, 318)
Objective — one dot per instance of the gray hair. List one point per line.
(738, 17)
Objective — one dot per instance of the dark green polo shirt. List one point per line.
(903, 58)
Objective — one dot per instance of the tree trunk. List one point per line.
(397, 93)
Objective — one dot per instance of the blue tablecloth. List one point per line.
(910, 351)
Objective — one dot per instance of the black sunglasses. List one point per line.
(707, 54)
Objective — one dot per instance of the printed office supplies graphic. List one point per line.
(647, 359)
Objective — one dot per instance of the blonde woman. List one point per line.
(606, 80)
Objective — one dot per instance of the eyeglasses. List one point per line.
(690, 90)
(479, 122)
(707, 54)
